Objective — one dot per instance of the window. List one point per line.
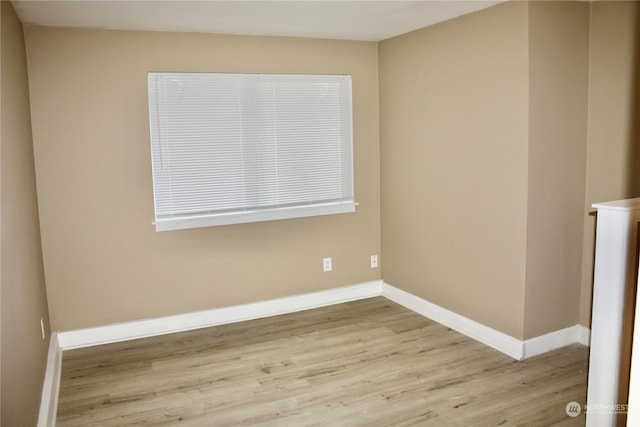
(235, 148)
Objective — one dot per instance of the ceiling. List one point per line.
(329, 19)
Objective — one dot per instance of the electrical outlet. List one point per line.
(326, 264)
(374, 261)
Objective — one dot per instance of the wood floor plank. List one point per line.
(363, 363)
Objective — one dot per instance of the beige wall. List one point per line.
(482, 120)
(483, 148)
(23, 294)
(454, 131)
(104, 262)
(483, 142)
(558, 83)
(613, 156)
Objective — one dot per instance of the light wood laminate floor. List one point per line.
(362, 363)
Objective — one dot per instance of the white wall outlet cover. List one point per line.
(374, 261)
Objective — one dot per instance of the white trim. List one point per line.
(197, 221)
(500, 341)
(504, 343)
(61, 341)
(218, 316)
(584, 335)
(51, 386)
(554, 340)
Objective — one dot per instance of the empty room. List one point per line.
(316, 213)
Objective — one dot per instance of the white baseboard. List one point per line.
(217, 316)
(502, 342)
(584, 335)
(51, 386)
(479, 332)
(554, 340)
(118, 332)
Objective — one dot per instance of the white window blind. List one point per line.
(234, 148)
